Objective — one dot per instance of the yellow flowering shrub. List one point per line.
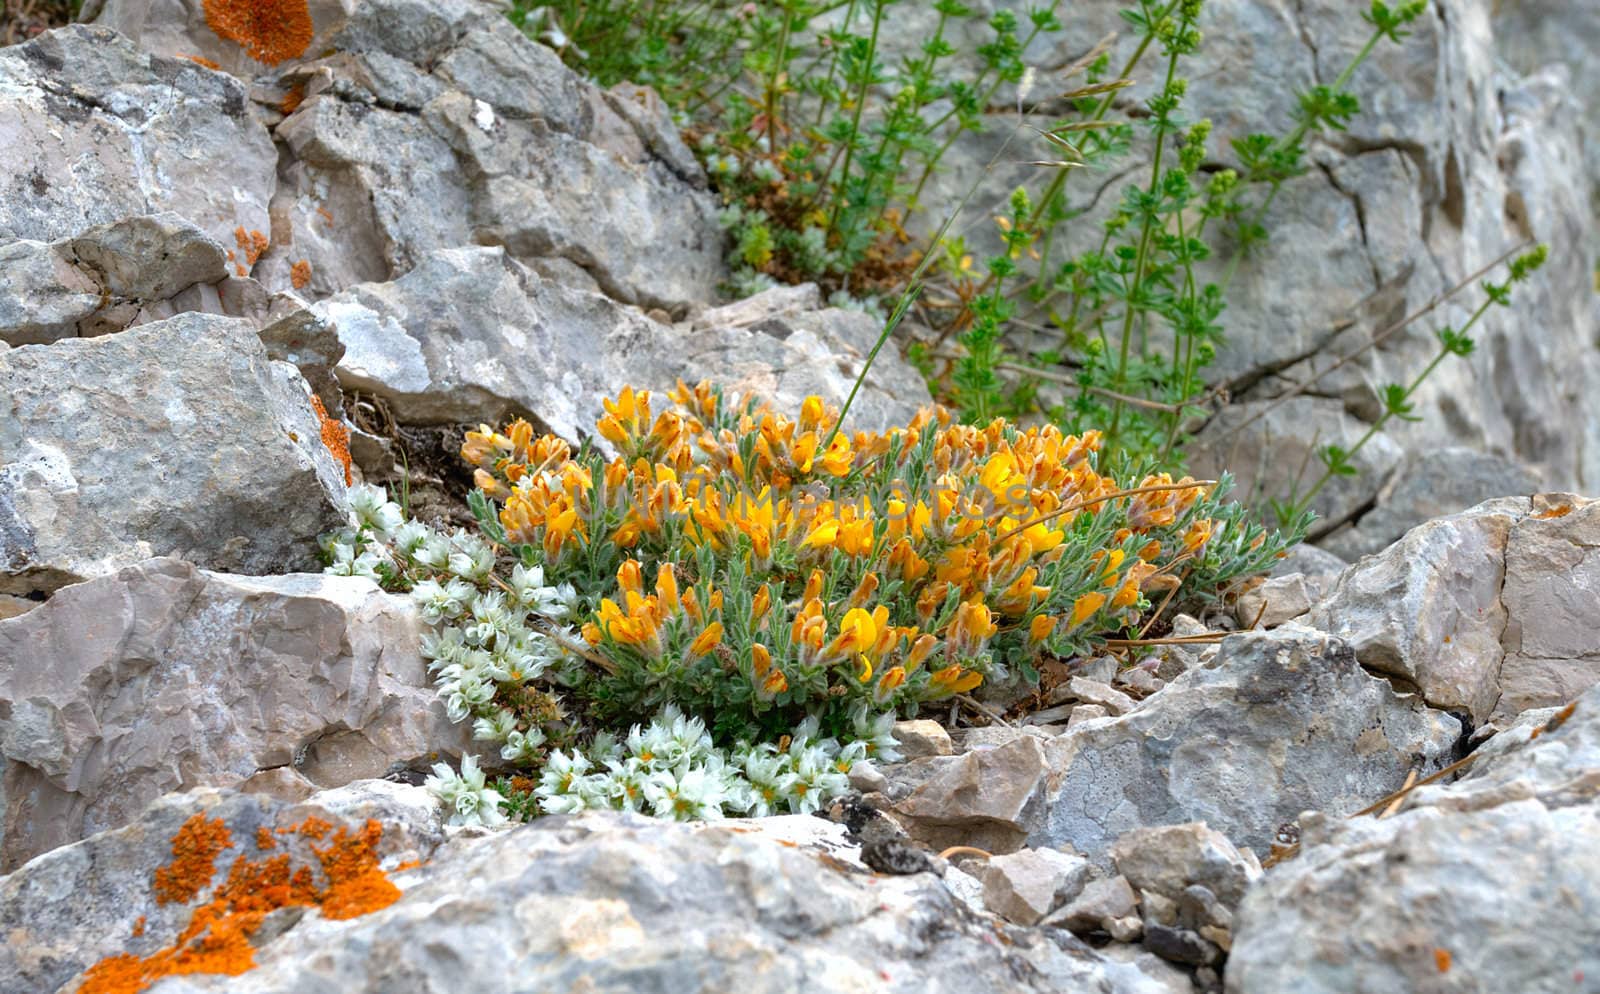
(755, 569)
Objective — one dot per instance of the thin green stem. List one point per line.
(855, 121)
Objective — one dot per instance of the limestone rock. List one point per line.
(1453, 886)
(1196, 869)
(987, 797)
(473, 335)
(1490, 611)
(1273, 724)
(922, 738)
(1552, 601)
(93, 130)
(1023, 887)
(179, 437)
(1431, 484)
(163, 676)
(601, 902)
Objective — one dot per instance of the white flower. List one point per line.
(439, 601)
(409, 537)
(522, 747)
(496, 727)
(877, 732)
(434, 552)
(467, 797)
(560, 790)
(771, 777)
(696, 793)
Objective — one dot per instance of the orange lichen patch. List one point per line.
(264, 839)
(337, 439)
(253, 243)
(327, 215)
(201, 60)
(270, 31)
(217, 938)
(1441, 959)
(300, 274)
(1554, 512)
(314, 827)
(240, 271)
(293, 99)
(194, 859)
(138, 926)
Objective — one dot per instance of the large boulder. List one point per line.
(180, 437)
(1487, 884)
(471, 334)
(163, 676)
(599, 902)
(1489, 612)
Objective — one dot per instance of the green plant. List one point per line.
(772, 591)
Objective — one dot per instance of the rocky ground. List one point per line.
(428, 222)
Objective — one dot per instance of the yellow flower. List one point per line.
(1084, 606)
(866, 668)
(706, 640)
(921, 649)
(1040, 627)
(822, 534)
(838, 458)
(857, 632)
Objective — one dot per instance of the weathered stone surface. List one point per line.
(1278, 599)
(987, 797)
(43, 296)
(1022, 887)
(1552, 604)
(1430, 484)
(1103, 903)
(1490, 611)
(1168, 859)
(473, 335)
(1428, 609)
(598, 902)
(78, 904)
(163, 676)
(1275, 723)
(438, 125)
(1487, 883)
(921, 738)
(178, 437)
(149, 257)
(93, 130)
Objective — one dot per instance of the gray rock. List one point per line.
(178, 437)
(1428, 610)
(1431, 484)
(163, 677)
(73, 906)
(1023, 887)
(447, 105)
(1552, 603)
(986, 797)
(43, 296)
(1085, 712)
(1483, 883)
(473, 335)
(1278, 599)
(93, 131)
(149, 257)
(1193, 868)
(1489, 611)
(1273, 724)
(1102, 903)
(1105, 695)
(598, 902)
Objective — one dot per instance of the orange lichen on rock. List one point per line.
(194, 859)
(264, 839)
(253, 243)
(293, 99)
(201, 60)
(138, 926)
(337, 439)
(217, 938)
(1441, 960)
(300, 274)
(270, 31)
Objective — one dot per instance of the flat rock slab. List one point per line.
(179, 437)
